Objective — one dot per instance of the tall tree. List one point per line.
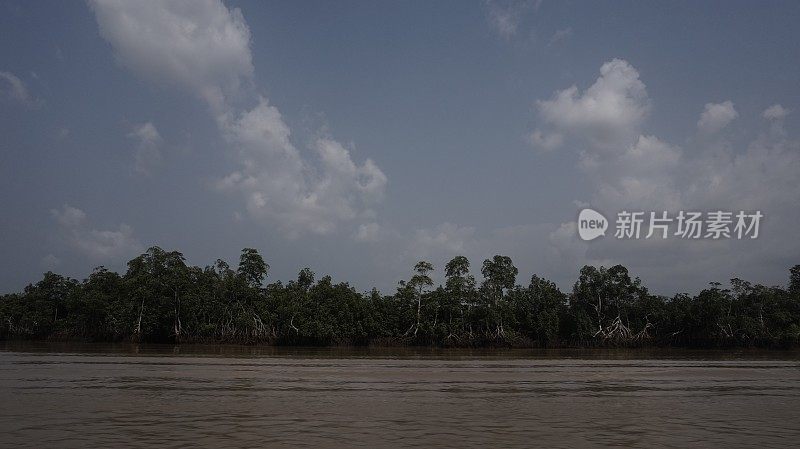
(540, 312)
(457, 273)
(499, 275)
(460, 296)
(420, 281)
(160, 277)
(252, 267)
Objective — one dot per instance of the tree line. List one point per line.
(162, 299)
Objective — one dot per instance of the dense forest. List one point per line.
(162, 299)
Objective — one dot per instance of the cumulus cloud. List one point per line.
(716, 116)
(764, 175)
(276, 182)
(756, 176)
(775, 112)
(13, 90)
(148, 147)
(645, 173)
(204, 48)
(606, 114)
(97, 245)
(626, 167)
(197, 45)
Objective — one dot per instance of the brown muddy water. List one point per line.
(211, 396)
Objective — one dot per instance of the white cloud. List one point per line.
(643, 174)
(198, 45)
(775, 112)
(69, 217)
(607, 114)
(12, 89)
(277, 183)
(649, 174)
(97, 245)
(716, 116)
(626, 167)
(204, 48)
(763, 176)
(148, 155)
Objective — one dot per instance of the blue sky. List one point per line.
(359, 137)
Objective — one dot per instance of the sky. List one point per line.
(357, 138)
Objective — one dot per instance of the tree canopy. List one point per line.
(162, 299)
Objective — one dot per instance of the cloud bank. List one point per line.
(629, 169)
(100, 246)
(203, 48)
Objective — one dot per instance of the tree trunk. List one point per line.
(138, 330)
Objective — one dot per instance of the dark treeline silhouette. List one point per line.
(161, 299)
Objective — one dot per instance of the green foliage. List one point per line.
(252, 267)
(161, 299)
(539, 309)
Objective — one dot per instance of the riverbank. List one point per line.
(248, 351)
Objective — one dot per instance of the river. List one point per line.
(67, 395)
